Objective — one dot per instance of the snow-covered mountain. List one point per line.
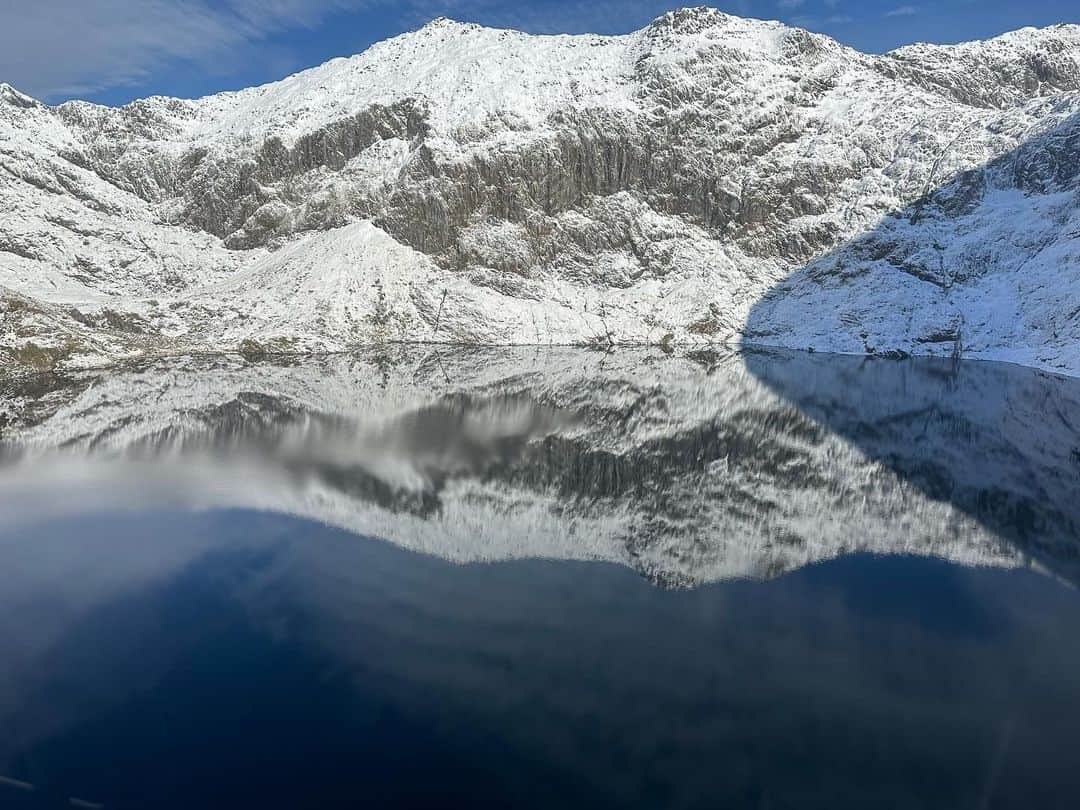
(706, 179)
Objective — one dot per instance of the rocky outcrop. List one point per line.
(991, 253)
(664, 186)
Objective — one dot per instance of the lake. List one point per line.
(517, 577)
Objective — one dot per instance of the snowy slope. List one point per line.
(706, 179)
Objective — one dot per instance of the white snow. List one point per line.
(821, 144)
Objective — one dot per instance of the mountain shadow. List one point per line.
(985, 265)
(997, 441)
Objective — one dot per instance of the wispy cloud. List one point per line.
(51, 48)
(902, 11)
(815, 23)
(790, 3)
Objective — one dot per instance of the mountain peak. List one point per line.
(690, 20)
(10, 95)
(441, 22)
(708, 177)
(447, 24)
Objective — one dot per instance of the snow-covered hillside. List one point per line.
(707, 179)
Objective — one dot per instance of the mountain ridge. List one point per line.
(465, 184)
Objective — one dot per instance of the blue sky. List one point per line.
(114, 50)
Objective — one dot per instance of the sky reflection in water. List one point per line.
(221, 657)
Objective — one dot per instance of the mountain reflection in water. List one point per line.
(196, 611)
(688, 469)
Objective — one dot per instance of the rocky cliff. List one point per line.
(707, 179)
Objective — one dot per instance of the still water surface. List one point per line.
(558, 579)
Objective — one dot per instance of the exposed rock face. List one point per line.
(704, 179)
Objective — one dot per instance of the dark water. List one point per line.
(764, 581)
